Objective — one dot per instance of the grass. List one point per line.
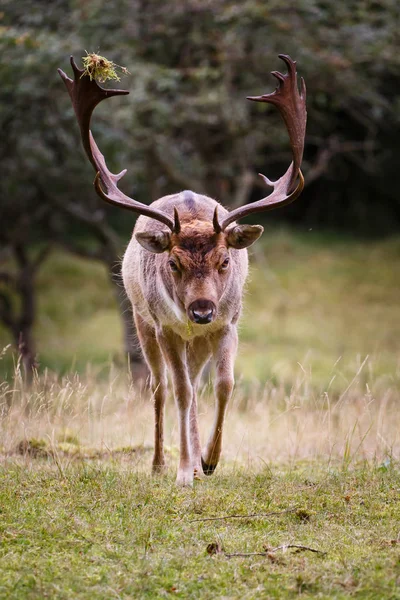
(104, 530)
(317, 303)
(81, 517)
(312, 430)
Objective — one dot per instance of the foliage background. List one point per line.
(186, 123)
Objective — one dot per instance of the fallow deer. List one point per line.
(184, 272)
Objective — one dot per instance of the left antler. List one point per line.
(86, 94)
(292, 106)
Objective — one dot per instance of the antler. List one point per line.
(292, 106)
(85, 96)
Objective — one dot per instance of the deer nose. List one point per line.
(202, 311)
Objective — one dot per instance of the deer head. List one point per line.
(198, 262)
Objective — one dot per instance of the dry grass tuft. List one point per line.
(91, 417)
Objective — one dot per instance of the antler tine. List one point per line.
(216, 224)
(85, 95)
(177, 224)
(292, 106)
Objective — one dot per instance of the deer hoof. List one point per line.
(185, 478)
(198, 472)
(207, 469)
(159, 469)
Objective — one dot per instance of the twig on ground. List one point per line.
(252, 516)
(268, 551)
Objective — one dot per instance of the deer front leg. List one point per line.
(224, 346)
(174, 352)
(198, 353)
(156, 364)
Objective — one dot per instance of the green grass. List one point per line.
(318, 303)
(109, 531)
(80, 516)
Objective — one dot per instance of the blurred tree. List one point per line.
(45, 188)
(17, 285)
(186, 123)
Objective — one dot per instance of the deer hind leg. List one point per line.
(198, 353)
(224, 346)
(159, 382)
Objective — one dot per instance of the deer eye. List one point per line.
(173, 266)
(224, 265)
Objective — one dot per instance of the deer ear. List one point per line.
(154, 241)
(243, 236)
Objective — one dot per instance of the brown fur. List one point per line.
(163, 301)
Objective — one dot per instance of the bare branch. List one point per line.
(175, 175)
(268, 551)
(41, 257)
(244, 185)
(88, 253)
(252, 516)
(6, 312)
(7, 278)
(20, 255)
(94, 219)
(333, 147)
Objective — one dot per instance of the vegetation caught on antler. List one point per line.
(100, 68)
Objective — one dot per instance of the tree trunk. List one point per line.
(24, 324)
(137, 365)
(26, 348)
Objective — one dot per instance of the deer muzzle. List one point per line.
(202, 311)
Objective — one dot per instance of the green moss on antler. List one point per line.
(100, 68)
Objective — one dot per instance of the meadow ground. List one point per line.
(311, 452)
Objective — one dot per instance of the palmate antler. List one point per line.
(292, 106)
(86, 94)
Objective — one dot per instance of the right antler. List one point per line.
(292, 106)
(86, 95)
